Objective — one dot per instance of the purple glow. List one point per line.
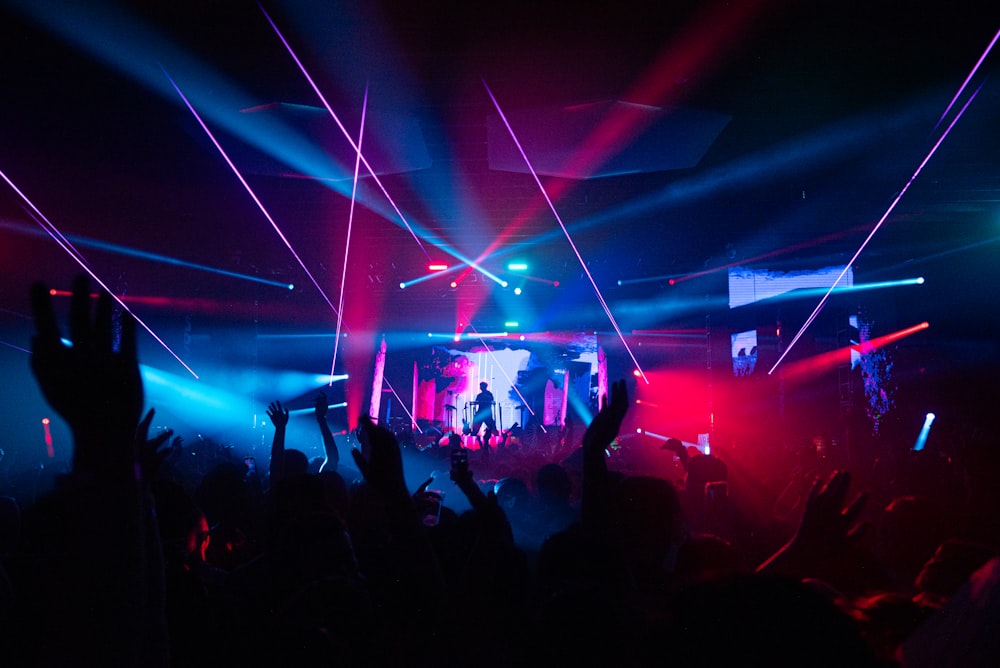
(253, 195)
(57, 236)
(343, 130)
(71, 249)
(576, 252)
(875, 229)
(347, 245)
(968, 78)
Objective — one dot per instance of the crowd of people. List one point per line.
(133, 559)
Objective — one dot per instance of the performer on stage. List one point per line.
(484, 414)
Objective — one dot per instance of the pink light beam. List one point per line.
(57, 236)
(343, 130)
(875, 229)
(249, 190)
(347, 245)
(576, 252)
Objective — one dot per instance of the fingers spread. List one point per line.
(45, 317)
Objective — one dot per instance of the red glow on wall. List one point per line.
(674, 403)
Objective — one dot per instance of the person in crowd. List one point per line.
(135, 558)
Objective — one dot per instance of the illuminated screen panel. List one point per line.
(747, 286)
(744, 350)
(526, 379)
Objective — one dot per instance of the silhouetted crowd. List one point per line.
(135, 557)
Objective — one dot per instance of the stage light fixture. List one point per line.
(517, 291)
(517, 266)
(924, 432)
(437, 267)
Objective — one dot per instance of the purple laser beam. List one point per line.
(343, 130)
(968, 78)
(583, 264)
(350, 225)
(249, 190)
(66, 246)
(875, 229)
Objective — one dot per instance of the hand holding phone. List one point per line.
(459, 463)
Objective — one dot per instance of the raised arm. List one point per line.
(329, 444)
(279, 418)
(829, 526)
(599, 435)
(92, 544)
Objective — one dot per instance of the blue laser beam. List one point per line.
(86, 242)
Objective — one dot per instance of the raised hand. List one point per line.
(151, 456)
(383, 465)
(829, 526)
(329, 444)
(95, 388)
(605, 425)
(322, 406)
(278, 414)
(603, 429)
(829, 523)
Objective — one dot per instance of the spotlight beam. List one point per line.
(347, 244)
(85, 242)
(576, 252)
(250, 191)
(364, 161)
(431, 276)
(343, 130)
(57, 236)
(824, 362)
(878, 225)
(925, 431)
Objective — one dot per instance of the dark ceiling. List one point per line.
(675, 138)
